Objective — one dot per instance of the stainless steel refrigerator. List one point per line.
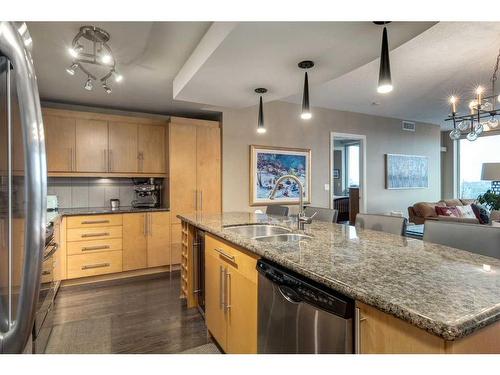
(23, 185)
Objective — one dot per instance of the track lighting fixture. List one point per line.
(261, 129)
(106, 87)
(92, 54)
(306, 110)
(88, 84)
(71, 69)
(384, 76)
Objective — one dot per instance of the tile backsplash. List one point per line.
(81, 192)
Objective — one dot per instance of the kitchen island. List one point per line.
(441, 299)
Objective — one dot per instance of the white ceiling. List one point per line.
(149, 55)
(186, 67)
(449, 58)
(265, 54)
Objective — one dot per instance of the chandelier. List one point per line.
(93, 56)
(483, 112)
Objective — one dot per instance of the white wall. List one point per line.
(286, 129)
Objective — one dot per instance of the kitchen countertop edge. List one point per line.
(449, 332)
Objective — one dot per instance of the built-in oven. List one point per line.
(199, 270)
(42, 327)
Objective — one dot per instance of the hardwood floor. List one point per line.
(129, 316)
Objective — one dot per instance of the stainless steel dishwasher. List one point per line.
(296, 315)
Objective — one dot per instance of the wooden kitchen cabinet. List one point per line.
(208, 169)
(242, 316)
(231, 296)
(182, 172)
(60, 143)
(135, 241)
(382, 333)
(151, 147)
(103, 145)
(158, 239)
(91, 146)
(123, 146)
(215, 314)
(176, 242)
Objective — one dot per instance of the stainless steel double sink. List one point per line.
(266, 233)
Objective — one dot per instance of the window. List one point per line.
(471, 157)
(352, 165)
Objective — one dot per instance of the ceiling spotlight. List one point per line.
(306, 110)
(384, 77)
(71, 69)
(106, 87)
(118, 76)
(106, 59)
(261, 129)
(88, 85)
(75, 51)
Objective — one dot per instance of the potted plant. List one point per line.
(490, 200)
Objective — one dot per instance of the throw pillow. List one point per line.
(466, 212)
(481, 213)
(425, 209)
(447, 211)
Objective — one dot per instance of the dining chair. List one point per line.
(322, 214)
(476, 238)
(277, 210)
(382, 223)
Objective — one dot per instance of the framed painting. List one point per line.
(267, 164)
(406, 171)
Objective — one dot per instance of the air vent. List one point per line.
(408, 126)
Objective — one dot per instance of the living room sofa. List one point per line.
(422, 211)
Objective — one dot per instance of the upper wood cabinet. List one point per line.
(60, 143)
(151, 149)
(123, 154)
(96, 144)
(91, 146)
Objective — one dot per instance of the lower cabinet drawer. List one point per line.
(94, 221)
(86, 234)
(94, 264)
(93, 246)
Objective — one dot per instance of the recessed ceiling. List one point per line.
(148, 54)
(265, 54)
(448, 58)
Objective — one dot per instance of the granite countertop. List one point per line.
(105, 210)
(442, 290)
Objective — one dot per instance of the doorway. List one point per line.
(347, 169)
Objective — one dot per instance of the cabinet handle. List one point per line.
(228, 279)
(196, 200)
(104, 160)
(201, 200)
(145, 226)
(95, 234)
(221, 287)
(226, 255)
(90, 248)
(95, 221)
(70, 160)
(99, 265)
(140, 156)
(110, 160)
(150, 226)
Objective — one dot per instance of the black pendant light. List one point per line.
(261, 129)
(384, 76)
(306, 110)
